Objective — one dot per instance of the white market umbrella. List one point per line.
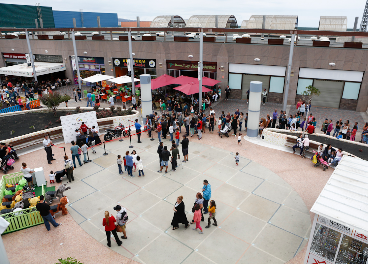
(123, 79)
(97, 78)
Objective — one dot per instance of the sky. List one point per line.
(308, 11)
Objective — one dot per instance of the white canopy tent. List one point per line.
(23, 70)
(123, 79)
(97, 78)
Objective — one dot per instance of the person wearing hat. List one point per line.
(121, 219)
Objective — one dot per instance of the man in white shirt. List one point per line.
(47, 143)
(121, 218)
(264, 96)
(134, 103)
(111, 101)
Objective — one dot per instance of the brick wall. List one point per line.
(348, 104)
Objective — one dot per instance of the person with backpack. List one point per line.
(68, 163)
(121, 219)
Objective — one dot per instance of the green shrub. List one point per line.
(69, 260)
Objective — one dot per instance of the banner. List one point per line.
(74, 65)
(70, 123)
(138, 63)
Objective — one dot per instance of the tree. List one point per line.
(52, 101)
(309, 92)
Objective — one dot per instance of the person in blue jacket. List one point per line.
(206, 195)
(138, 130)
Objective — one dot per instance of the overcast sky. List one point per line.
(308, 11)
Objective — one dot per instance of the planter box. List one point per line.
(244, 40)
(125, 38)
(209, 39)
(22, 36)
(58, 37)
(181, 39)
(148, 38)
(275, 42)
(353, 45)
(80, 37)
(317, 43)
(10, 36)
(98, 37)
(43, 37)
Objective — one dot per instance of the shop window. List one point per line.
(325, 242)
(302, 84)
(151, 72)
(351, 91)
(277, 84)
(352, 251)
(235, 81)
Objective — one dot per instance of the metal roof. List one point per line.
(203, 21)
(165, 21)
(273, 22)
(344, 199)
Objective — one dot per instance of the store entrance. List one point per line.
(193, 74)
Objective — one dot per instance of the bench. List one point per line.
(291, 141)
(33, 140)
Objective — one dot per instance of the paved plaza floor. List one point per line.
(260, 218)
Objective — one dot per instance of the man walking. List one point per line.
(187, 122)
(89, 99)
(68, 165)
(274, 118)
(44, 210)
(165, 156)
(206, 195)
(121, 219)
(174, 157)
(159, 130)
(159, 151)
(47, 143)
(134, 103)
(164, 128)
(184, 147)
(227, 92)
(138, 130)
(199, 128)
(74, 149)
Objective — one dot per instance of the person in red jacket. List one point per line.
(109, 223)
(310, 128)
(84, 128)
(199, 128)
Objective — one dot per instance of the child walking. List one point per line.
(125, 166)
(212, 211)
(177, 136)
(239, 139)
(237, 158)
(219, 123)
(140, 166)
(197, 218)
(119, 162)
(52, 177)
(84, 150)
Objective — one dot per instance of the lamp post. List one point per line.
(31, 57)
(76, 60)
(131, 60)
(200, 69)
(288, 72)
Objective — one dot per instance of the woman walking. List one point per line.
(109, 223)
(179, 214)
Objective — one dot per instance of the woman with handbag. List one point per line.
(179, 214)
(109, 223)
(199, 200)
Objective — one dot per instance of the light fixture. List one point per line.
(46, 51)
(12, 49)
(190, 56)
(257, 59)
(332, 64)
(85, 52)
(133, 53)
(160, 64)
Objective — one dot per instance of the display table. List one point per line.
(39, 176)
(339, 232)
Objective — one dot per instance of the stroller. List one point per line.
(7, 164)
(225, 131)
(318, 160)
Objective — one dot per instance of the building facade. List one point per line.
(339, 73)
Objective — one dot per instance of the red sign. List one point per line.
(88, 60)
(14, 56)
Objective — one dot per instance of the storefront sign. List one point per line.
(93, 60)
(48, 58)
(14, 56)
(191, 65)
(138, 63)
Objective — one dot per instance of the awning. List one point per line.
(24, 70)
(97, 78)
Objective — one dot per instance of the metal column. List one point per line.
(31, 56)
(200, 70)
(288, 72)
(355, 28)
(131, 60)
(76, 60)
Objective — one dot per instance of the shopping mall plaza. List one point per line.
(274, 207)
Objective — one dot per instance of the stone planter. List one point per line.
(58, 37)
(98, 37)
(22, 36)
(43, 37)
(353, 45)
(10, 36)
(124, 38)
(317, 43)
(181, 39)
(244, 40)
(148, 38)
(275, 42)
(209, 39)
(80, 37)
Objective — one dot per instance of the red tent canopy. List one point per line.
(191, 88)
(160, 81)
(186, 79)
